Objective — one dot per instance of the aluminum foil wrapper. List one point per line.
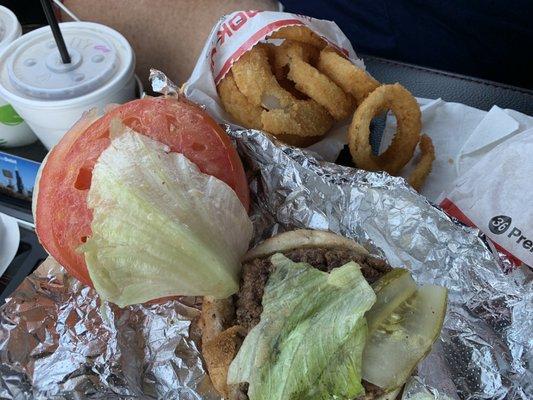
(58, 341)
(485, 350)
(161, 83)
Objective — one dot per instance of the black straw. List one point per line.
(58, 37)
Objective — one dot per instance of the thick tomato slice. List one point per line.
(63, 221)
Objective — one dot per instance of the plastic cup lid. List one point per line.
(9, 27)
(98, 54)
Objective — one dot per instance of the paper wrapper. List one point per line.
(239, 32)
(498, 200)
(58, 341)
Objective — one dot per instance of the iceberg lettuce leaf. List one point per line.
(310, 339)
(160, 226)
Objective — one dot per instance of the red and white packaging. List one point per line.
(237, 33)
(496, 196)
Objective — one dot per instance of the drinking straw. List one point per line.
(66, 10)
(58, 37)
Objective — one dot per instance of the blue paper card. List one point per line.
(17, 176)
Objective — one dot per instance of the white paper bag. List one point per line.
(496, 196)
(237, 33)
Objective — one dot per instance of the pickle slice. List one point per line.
(391, 291)
(399, 341)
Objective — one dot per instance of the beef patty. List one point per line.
(255, 275)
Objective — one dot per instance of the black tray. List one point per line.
(29, 255)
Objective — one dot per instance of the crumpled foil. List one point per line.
(58, 341)
(485, 348)
(161, 83)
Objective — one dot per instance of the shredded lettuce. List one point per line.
(161, 227)
(310, 339)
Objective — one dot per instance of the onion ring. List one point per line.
(286, 114)
(320, 88)
(423, 168)
(304, 118)
(281, 56)
(349, 77)
(309, 80)
(249, 116)
(299, 33)
(290, 49)
(237, 105)
(254, 78)
(404, 106)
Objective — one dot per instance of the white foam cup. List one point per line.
(13, 130)
(52, 96)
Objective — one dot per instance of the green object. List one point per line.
(393, 289)
(403, 325)
(309, 342)
(8, 116)
(161, 227)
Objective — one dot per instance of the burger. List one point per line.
(150, 201)
(318, 317)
